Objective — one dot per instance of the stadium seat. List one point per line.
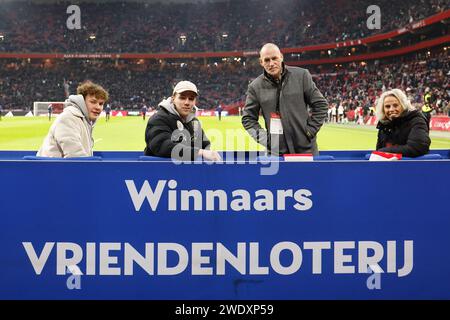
(429, 156)
(275, 158)
(269, 158)
(152, 158)
(324, 157)
(65, 159)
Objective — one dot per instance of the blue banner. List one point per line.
(147, 230)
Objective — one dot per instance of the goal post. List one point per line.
(40, 108)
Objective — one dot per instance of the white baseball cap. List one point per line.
(183, 86)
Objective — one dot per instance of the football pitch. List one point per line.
(127, 134)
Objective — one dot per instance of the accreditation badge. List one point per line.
(276, 127)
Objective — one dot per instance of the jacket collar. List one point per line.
(405, 116)
(167, 104)
(272, 79)
(75, 111)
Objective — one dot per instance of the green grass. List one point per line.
(127, 134)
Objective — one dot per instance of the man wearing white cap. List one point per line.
(174, 131)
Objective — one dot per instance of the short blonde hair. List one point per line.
(96, 90)
(401, 97)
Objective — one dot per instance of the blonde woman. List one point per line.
(401, 128)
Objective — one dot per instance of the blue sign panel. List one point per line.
(147, 230)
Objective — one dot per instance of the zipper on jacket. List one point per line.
(277, 107)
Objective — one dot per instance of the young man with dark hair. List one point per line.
(144, 111)
(219, 111)
(50, 111)
(107, 112)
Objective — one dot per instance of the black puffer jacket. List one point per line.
(407, 134)
(168, 136)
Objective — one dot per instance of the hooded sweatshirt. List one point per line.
(71, 133)
(168, 135)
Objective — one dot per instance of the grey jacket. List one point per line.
(297, 92)
(71, 133)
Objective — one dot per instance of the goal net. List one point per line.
(40, 108)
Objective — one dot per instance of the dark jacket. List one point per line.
(407, 134)
(293, 95)
(167, 135)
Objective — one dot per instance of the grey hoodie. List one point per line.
(169, 106)
(71, 133)
(78, 102)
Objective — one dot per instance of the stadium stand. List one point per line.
(351, 85)
(28, 28)
(230, 25)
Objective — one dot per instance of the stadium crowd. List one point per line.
(230, 25)
(132, 85)
(359, 84)
(218, 26)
